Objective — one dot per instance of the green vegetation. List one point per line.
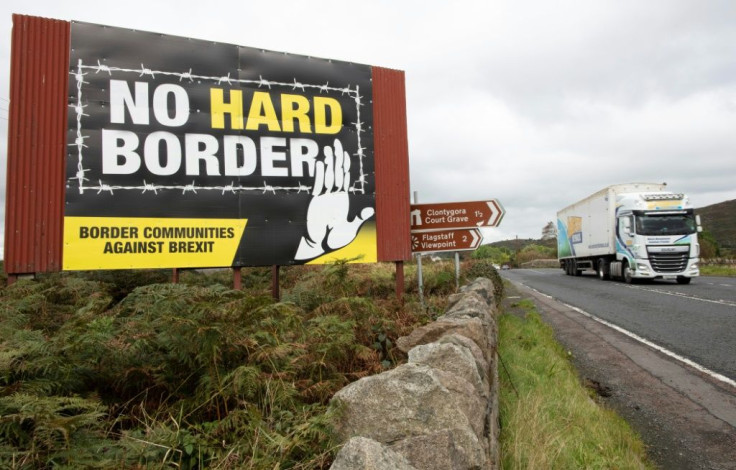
(548, 420)
(517, 252)
(497, 254)
(124, 370)
(533, 252)
(728, 270)
(719, 229)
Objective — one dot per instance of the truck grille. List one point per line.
(668, 262)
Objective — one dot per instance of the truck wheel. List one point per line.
(603, 272)
(575, 270)
(683, 280)
(627, 274)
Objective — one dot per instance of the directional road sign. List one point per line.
(456, 215)
(446, 240)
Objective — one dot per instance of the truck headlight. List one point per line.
(642, 267)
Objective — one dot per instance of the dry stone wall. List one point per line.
(439, 411)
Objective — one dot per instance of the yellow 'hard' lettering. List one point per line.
(262, 113)
(295, 107)
(321, 103)
(219, 108)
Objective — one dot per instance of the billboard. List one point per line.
(190, 153)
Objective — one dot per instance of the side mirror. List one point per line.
(627, 227)
(697, 221)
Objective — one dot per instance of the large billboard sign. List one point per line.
(189, 153)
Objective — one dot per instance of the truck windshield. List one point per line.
(673, 224)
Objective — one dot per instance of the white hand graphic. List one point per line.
(328, 227)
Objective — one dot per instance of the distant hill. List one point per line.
(720, 220)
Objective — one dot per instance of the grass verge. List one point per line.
(548, 419)
(726, 270)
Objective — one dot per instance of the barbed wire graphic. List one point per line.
(81, 179)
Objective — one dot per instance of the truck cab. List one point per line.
(656, 237)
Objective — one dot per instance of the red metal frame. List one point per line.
(34, 204)
(391, 149)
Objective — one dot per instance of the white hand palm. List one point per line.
(327, 216)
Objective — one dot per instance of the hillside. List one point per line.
(516, 244)
(720, 220)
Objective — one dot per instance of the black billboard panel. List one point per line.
(190, 153)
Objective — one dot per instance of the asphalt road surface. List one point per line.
(662, 354)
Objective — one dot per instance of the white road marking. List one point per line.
(634, 336)
(680, 294)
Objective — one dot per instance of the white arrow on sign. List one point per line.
(496, 214)
(476, 238)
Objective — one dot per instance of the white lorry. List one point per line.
(630, 232)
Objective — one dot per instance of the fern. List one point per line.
(42, 430)
(100, 371)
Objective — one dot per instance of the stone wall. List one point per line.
(438, 411)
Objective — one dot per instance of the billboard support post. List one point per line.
(237, 278)
(175, 276)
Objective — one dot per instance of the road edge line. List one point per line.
(634, 336)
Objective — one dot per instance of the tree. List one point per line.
(497, 254)
(709, 247)
(549, 232)
(533, 252)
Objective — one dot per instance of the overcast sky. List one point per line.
(534, 103)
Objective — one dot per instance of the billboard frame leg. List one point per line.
(237, 278)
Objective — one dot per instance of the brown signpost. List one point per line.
(454, 215)
(463, 239)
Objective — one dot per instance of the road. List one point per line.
(662, 354)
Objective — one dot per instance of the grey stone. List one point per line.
(481, 363)
(451, 358)
(361, 453)
(408, 401)
(453, 299)
(445, 449)
(439, 411)
(482, 286)
(471, 328)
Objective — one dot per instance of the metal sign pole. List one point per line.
(457, 271)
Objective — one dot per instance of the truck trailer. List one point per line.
(631, 232)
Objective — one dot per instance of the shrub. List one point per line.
(191, 375)
(483, 268)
